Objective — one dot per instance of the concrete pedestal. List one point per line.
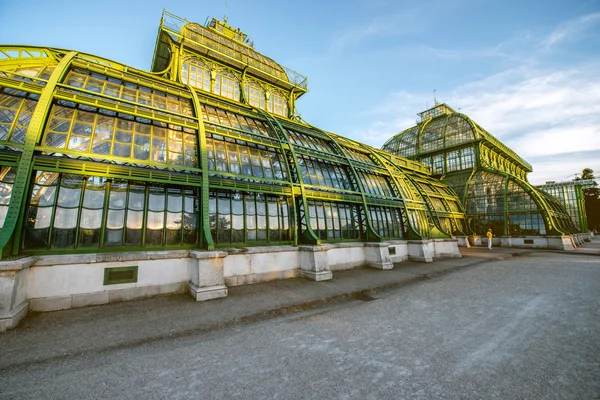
(421, 250)
(314, 263)
(462, 241)
(377, 255)
(13, 291)
(206, 280)
(446, 248)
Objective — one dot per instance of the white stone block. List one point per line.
(207, 293)
(446, 248)
(207, 280)
(463, 241)
(377, 255)
(314, 262)
(50, 303)
(420, 250)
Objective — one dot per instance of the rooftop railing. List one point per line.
(241, 51)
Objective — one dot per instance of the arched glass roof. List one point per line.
(119, 157)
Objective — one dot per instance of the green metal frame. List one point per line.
(14, 216)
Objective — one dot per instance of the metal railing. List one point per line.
(242, 51)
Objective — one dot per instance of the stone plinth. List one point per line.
(377, 255)
(13, 291)
(463, 241)
(206, 275)
(446, 248)
(314, 263)
(421, 250)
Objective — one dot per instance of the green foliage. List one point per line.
(592, 200)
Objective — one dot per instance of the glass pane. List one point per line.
(115, 219)
(155, 220)
(134, 219)
(65, 217)
(173, 220)
(91, 219)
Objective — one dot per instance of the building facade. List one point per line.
(117, 183)
(571, 195)
(490, 179)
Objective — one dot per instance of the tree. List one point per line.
(592, 199)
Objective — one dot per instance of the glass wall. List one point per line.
(249, 218)
(523, 215)
(335, 221)
(79, 212)
(244, 158)
(16, 108)
(80, 129)
(323, 174)
(7, 180)
(387, 222)
(128, 91)
(485, 202)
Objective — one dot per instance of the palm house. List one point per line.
(491, 181)
(118, 183)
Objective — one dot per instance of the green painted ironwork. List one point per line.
(301, 205)
(208, 240)
(370, 234)
(429, 141)
(15, 212)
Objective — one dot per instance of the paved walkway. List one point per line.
(47, 336)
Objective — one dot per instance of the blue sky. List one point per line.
(527, 71)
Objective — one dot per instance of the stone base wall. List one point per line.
(565, 242)
(57, 282)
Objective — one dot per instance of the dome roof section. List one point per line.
(442, 128)
(220, 41)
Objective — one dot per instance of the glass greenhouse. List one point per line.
(570, 194)
(206, 150)
(489, 178)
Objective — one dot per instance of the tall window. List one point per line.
(334, 221)
(100, 132)
(376, 185)
(195, 73)
(255, 95)
(226, 85)
(237, 217)
(246, 159)
(74, 211)
(323, 173)
(277, 104)
(386, 221)
(7, 180)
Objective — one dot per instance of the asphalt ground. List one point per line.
(70, 337)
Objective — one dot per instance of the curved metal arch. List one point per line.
(15, 214)
(294, 171)
(445, 200)
(369, 232)
(205, 188)
(387, 165)
(419, 146)
(540, 203)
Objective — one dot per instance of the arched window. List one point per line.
(195, 73)
(277, 104)
(226, 85)
(255, 95)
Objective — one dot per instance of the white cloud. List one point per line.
(539, 114)
(571, 29)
